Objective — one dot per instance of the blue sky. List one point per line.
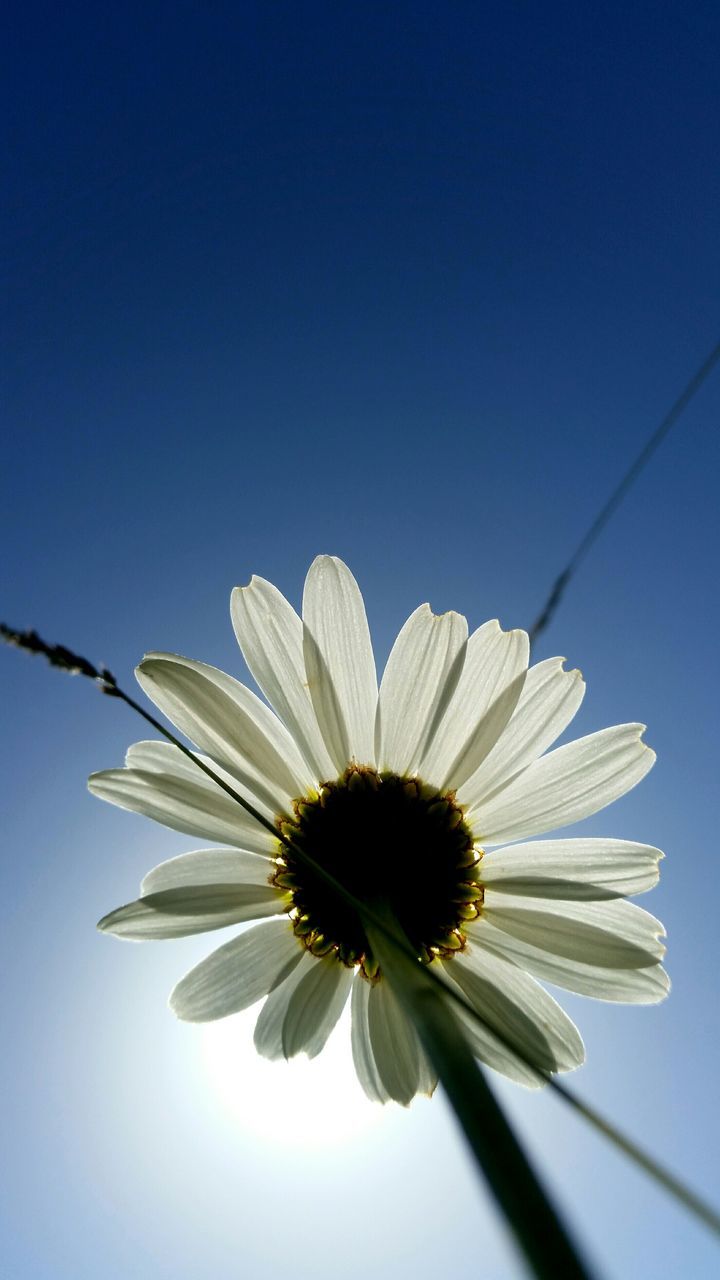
(412, 285)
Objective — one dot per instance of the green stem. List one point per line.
(512, 1181)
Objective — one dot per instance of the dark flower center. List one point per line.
(390, 841)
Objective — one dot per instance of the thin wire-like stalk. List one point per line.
(664, 1177)
(114, 691)
(66, 660)
(609, 508)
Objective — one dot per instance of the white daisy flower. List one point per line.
(418, 795)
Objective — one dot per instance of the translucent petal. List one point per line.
(315, 1006)
(337, 645)
(300, 1013)
(485, 1045)
(627, 986)
(548, 702)
(565, 786)
(590, 869)
(237, 974)
(487, 693)
(614, 934)
(512, 1004)
(230, 723)
(395, 1045)
(196, 806)
(209, 866)
(420, 678)
(270, 635)
(178, 913)
(363, 1056)
(327, 704)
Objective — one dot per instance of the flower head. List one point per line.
(406, 795)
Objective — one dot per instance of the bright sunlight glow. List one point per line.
(285, 1101)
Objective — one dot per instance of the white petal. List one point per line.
(270, 635)
(268, 1028)
(326, 704)
(230, 723)
(315, 1006)
(629, 986)
(565, 786)
(209, 866)
(486, 695)
(420, 678)
(300, 1012)
(427, 1079)
(196, 806)
(395, 1045)
(363, 1056)
(588, 869)
(163, 757)
(180, 912)
(615, 934)
(547, 704)
(337, 645)
(484, 1044)
(522, 1014)
(237, 974)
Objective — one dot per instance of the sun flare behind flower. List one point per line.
(282, 1102)
(404, 794)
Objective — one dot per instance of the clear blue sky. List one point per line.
(410, 284)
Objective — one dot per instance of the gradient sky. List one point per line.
(410, 284)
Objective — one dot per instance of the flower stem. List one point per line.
(528, 1210)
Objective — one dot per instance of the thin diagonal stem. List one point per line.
(66, 660)
(667, 1180)
(608, 510)
(116, 692)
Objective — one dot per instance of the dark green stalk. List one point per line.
(510, 1178)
